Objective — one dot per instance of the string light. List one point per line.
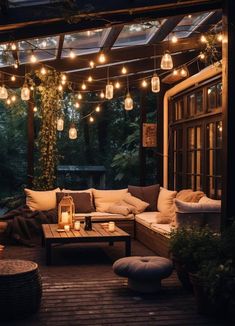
(183, 72)
(43, 71)
(15, 65)
(203, 39)
(83, 86)
(79, 96)
(189, 16)
(202, 56)
(13, 98)
(166, 61)
(175, 72)
(25, 92)
(90, 79)
(220, 37)
(60, 124)
(63, 82)
(174, 39)
(13, 46)
(155, 83)
(117, 85)
(71, 54)
(91, 119)
(128, 103)
(60, 87)
(13, 78)
(35, 109)
(8, 101)
(77, 105)
(102, 94)
(109, 91)
(101, 58)
(3, 93)
(63, 77)
(31, 88)
(144, 83)
(92, 64)
(73, 132)
(33, 58)
(97, 109)
(124, 70)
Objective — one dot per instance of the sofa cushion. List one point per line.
(101, 216)
(163, 229)
(41, 200)
(89, 191)
(147, 218)
(148, 194)
(82, 201)
(205, 204)
(105, 198)
(119, 208)
(165, 202)
(189, 195)
(138, 205)
(212, 205)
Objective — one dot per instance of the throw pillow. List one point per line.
(148, 194)
(89, 191)
(204, 205)
(119, 209)
(82, 201)
(165, 202)
(189, 195)
(41, 200)
(138, 205)
(163, 219)
(105, 198)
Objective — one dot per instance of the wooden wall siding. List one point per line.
(81, 289)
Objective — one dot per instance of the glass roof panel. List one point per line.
(137, 34)
(43, 48)
(27, 3)
(6, 58)
(84, 42)
(188, 24)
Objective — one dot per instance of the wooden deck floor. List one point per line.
(80, 288)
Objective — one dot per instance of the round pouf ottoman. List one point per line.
(144, 273)
(20, 289)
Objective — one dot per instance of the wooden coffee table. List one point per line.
(99, 233)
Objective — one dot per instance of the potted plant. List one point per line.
(190, 247)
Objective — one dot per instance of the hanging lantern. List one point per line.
(60, 124)
(25, 93)
(155, 83)
(3, 93)
(73, 132)
(166, 62)
(128, 102)
(66, 212)
(109, 91)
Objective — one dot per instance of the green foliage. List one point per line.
(47, 139)
(193, 246)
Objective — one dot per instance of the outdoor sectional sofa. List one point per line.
(150, 221)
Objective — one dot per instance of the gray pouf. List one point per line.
(144, 273)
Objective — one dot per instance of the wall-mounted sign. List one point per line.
(149, 135)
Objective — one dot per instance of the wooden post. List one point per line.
(30, 127)
(228, 113)
(142, 150)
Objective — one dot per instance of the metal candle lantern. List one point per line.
(66, 210)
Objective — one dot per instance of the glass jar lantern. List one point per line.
(66, 211)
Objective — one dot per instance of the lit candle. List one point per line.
(77, 225)
(67, 228)
(111, 226)
(64, 217)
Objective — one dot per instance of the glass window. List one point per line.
(199, 102)
(219, 94)
(191, 105)
(179, 108)
(211, 96)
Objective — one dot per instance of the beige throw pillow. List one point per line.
(138, 205)
(105, 198)
(119, 209)
(165, 202)
(41, 200)
(189, 195)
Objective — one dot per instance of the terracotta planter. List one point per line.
(182, 274)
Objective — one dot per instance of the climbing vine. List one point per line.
(50, 97)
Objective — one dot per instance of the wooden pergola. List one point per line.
(27, 20)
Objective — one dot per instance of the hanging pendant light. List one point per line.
(73, 132)
(166, 62)
(109, 91)
(25, 93)
(128, 103)
(155, 83)
(3, 93)
(60, 124)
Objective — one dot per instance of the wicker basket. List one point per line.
(20, 289)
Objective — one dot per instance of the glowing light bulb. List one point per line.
(77, 105)
(73, 132)
(13, 78)
(202, 56)
(63, 77)
(183, 72)
(97, 108)
(155, 83)
(60, 88)
(144, 83)
(102, 94)
(35, 109)
(91, 119)
(44, 44)
(174, 39)
(16, 65)
(88, 33)
(8, 101)
(189, 16)
(33, 58)
(175, 72)
(109, 91)
(203, 39)
(92, 64)
(63, 82)
(13, 46)
(60, 124)
(90, 79)
(220, 37)
(13, 98)
(43, 71)
(3, 93)
(166, 61)
(31, 88)
(102, 58)
(83, 86)
(71, 54)
(124, 70)
(117, 85)
(128, 103)
(79, 96)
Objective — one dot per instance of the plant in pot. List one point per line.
(190, 247)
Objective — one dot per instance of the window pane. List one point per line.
(210, 135)
(198, 160)
(219, 134)
(199, 102)
(219, 94)
(191, 104)
(191, 140)
(211, 94)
